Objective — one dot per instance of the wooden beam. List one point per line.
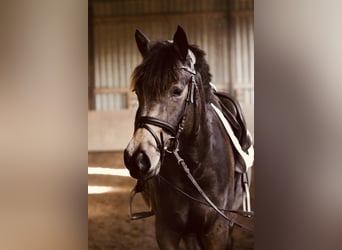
(166, 16)
(243, 86)
(91, 68)
(157, 17)
(243, 13)
(111, 90)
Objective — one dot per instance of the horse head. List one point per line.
(166, 87)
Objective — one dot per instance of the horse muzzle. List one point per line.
(139, 165)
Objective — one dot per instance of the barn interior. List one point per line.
(222, 28)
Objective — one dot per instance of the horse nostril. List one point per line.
(142, 162)
(138, 164)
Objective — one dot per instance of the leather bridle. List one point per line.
(174, 131)
(172, 146)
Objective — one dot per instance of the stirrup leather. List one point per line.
(246, 203)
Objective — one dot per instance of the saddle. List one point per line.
(232, 111)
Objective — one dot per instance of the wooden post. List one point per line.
(231, 62)
(91, 67)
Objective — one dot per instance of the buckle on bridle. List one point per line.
(171, 145)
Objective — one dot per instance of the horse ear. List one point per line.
(143, 42)
(180, 43)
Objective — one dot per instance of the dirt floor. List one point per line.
(109, 226)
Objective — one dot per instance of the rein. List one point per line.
(232, 222)
(239, 212)
(172, 146)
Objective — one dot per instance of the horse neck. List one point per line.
(206, 131)
(197, 141)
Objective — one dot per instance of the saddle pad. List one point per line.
(247, 158)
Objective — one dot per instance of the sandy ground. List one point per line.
(109, 226)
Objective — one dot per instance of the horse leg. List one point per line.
(230, 240)
(218, 237)
(191, 242)
(167, 239)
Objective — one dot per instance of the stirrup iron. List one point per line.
(140, 215)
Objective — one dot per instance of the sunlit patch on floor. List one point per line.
(106, 189)
(108, 171)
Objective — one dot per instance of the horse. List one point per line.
(175, 117)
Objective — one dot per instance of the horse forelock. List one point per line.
(157, 71)
(160, 68)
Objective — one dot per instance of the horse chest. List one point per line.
(180, 212)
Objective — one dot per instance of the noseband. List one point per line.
(174, 131)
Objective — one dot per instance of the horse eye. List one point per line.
(177, 92)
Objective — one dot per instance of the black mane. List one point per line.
(160, 67)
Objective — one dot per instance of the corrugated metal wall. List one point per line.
(206, 24)
(242, 52)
